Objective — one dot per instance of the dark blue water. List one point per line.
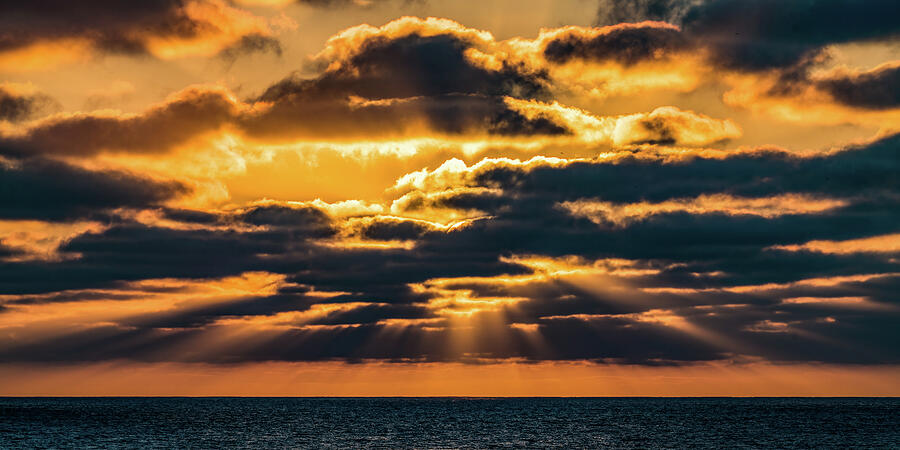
(448, 422)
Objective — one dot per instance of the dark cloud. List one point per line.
(251, 44)
(107, 23)
(16, 106)
(191, 216)
(415, 75)
(527, 221)
(292, 115)
(136, 248)
(308, 221)
(878, 89)
(389, 229)
(192, 113)
(6, 252)
(625, 44)
(111, 26)
(131, 252)
(49, 190)
(867, 170)
(613, 12)
(765, 34)
(411, 66)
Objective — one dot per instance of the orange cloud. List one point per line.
(889, 243)
(623, 214)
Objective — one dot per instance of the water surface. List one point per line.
(448, 422)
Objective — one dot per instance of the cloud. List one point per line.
(185, 115)
(778, 48)
(875, 89)
(670, 125)
(449, 115)
(700, 273)
(648, 249)
(411, 78)
(200, 113)
(773, 55)
(6, 252)
(162, 28)
(18, 102)
(657, 176)
(50, 190)
(418, 65)
(689, 207)
(612, 12)
(625, 43)
(875, 244)
(307, 221)
(604, 212)
(250, 44)
(413, 57)
(803, 96)
(113, 93)
(764, 34)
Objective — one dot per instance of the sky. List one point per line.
(422, 197)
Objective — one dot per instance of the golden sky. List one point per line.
(417, 197)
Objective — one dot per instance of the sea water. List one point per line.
(449, 422)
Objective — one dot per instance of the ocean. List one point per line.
(449, 422)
